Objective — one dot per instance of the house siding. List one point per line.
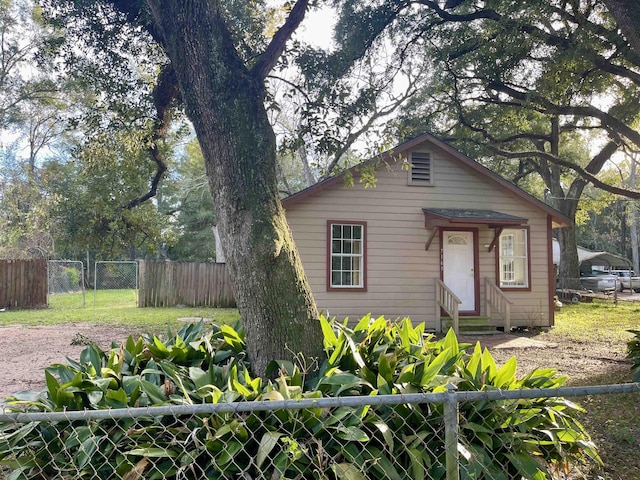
(400, 273)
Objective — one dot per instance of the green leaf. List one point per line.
(229, 452)
(387, 434)
(418, 470)
(52, 386)
(434, 367)
(152, 452)
(329, 336)
(232, 338)
(526, 466)
(339, 349)
(199, 377)
(241, 389)
(352, 434)
(451, 342)
(507, 374)
(85, 452)
(77, 436)
(474, 364)
(381, 464)
(93, 355)
(117, 398)
(267, 443)
(64, 372)
(354, 351)
(153, 392)
(273, 395)
(384, 368)
(345, 381)
(489, 365)
(159, 348)
(347, 471)
(363, 324)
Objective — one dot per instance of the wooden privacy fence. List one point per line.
(23, 283)
(167, 284)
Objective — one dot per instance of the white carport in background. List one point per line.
(590, 260)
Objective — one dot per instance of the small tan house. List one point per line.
(439, 236)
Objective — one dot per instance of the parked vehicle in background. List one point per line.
(600, 281)
(627, 280)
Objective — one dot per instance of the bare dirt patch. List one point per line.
(576, 360)
(25, 351)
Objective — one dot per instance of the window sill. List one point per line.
(346, 289)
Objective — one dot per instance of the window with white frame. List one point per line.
(346, 262)
(514, 258)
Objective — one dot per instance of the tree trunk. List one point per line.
(627, 16)
(224, 100)
(569, 267)
(633, 215)
(567, 204)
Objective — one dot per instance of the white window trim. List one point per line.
(361, 256)
(513, 260)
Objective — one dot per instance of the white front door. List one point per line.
(458, 272)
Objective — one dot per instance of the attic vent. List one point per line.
(420, 168)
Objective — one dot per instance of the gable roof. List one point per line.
(559, 220)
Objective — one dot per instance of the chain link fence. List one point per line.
(116, 283)
(412, 436)
(65, 283)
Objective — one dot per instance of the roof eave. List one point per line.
(558, 220)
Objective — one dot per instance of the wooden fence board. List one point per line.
(23, 283)
(168, 284)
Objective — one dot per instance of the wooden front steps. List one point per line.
(472, 326)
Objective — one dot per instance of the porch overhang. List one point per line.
(454, 217)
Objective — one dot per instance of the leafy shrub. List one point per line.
(73, 276)
(633, 352)
(498, 440)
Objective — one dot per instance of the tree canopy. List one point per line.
(525, 84)
(550, 88)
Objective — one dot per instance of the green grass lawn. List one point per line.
(612, 420)
(596, 322)
(112, 307)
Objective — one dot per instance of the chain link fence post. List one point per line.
(451, 433)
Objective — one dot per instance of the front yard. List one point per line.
(588, 345)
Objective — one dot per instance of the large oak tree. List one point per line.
(206, 69)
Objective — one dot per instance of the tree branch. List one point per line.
(627, 15)
(548, 107)
(270, 56)
(164, 94)
(557, 40)
(488, 14)
(634, 194)
(376, 115)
